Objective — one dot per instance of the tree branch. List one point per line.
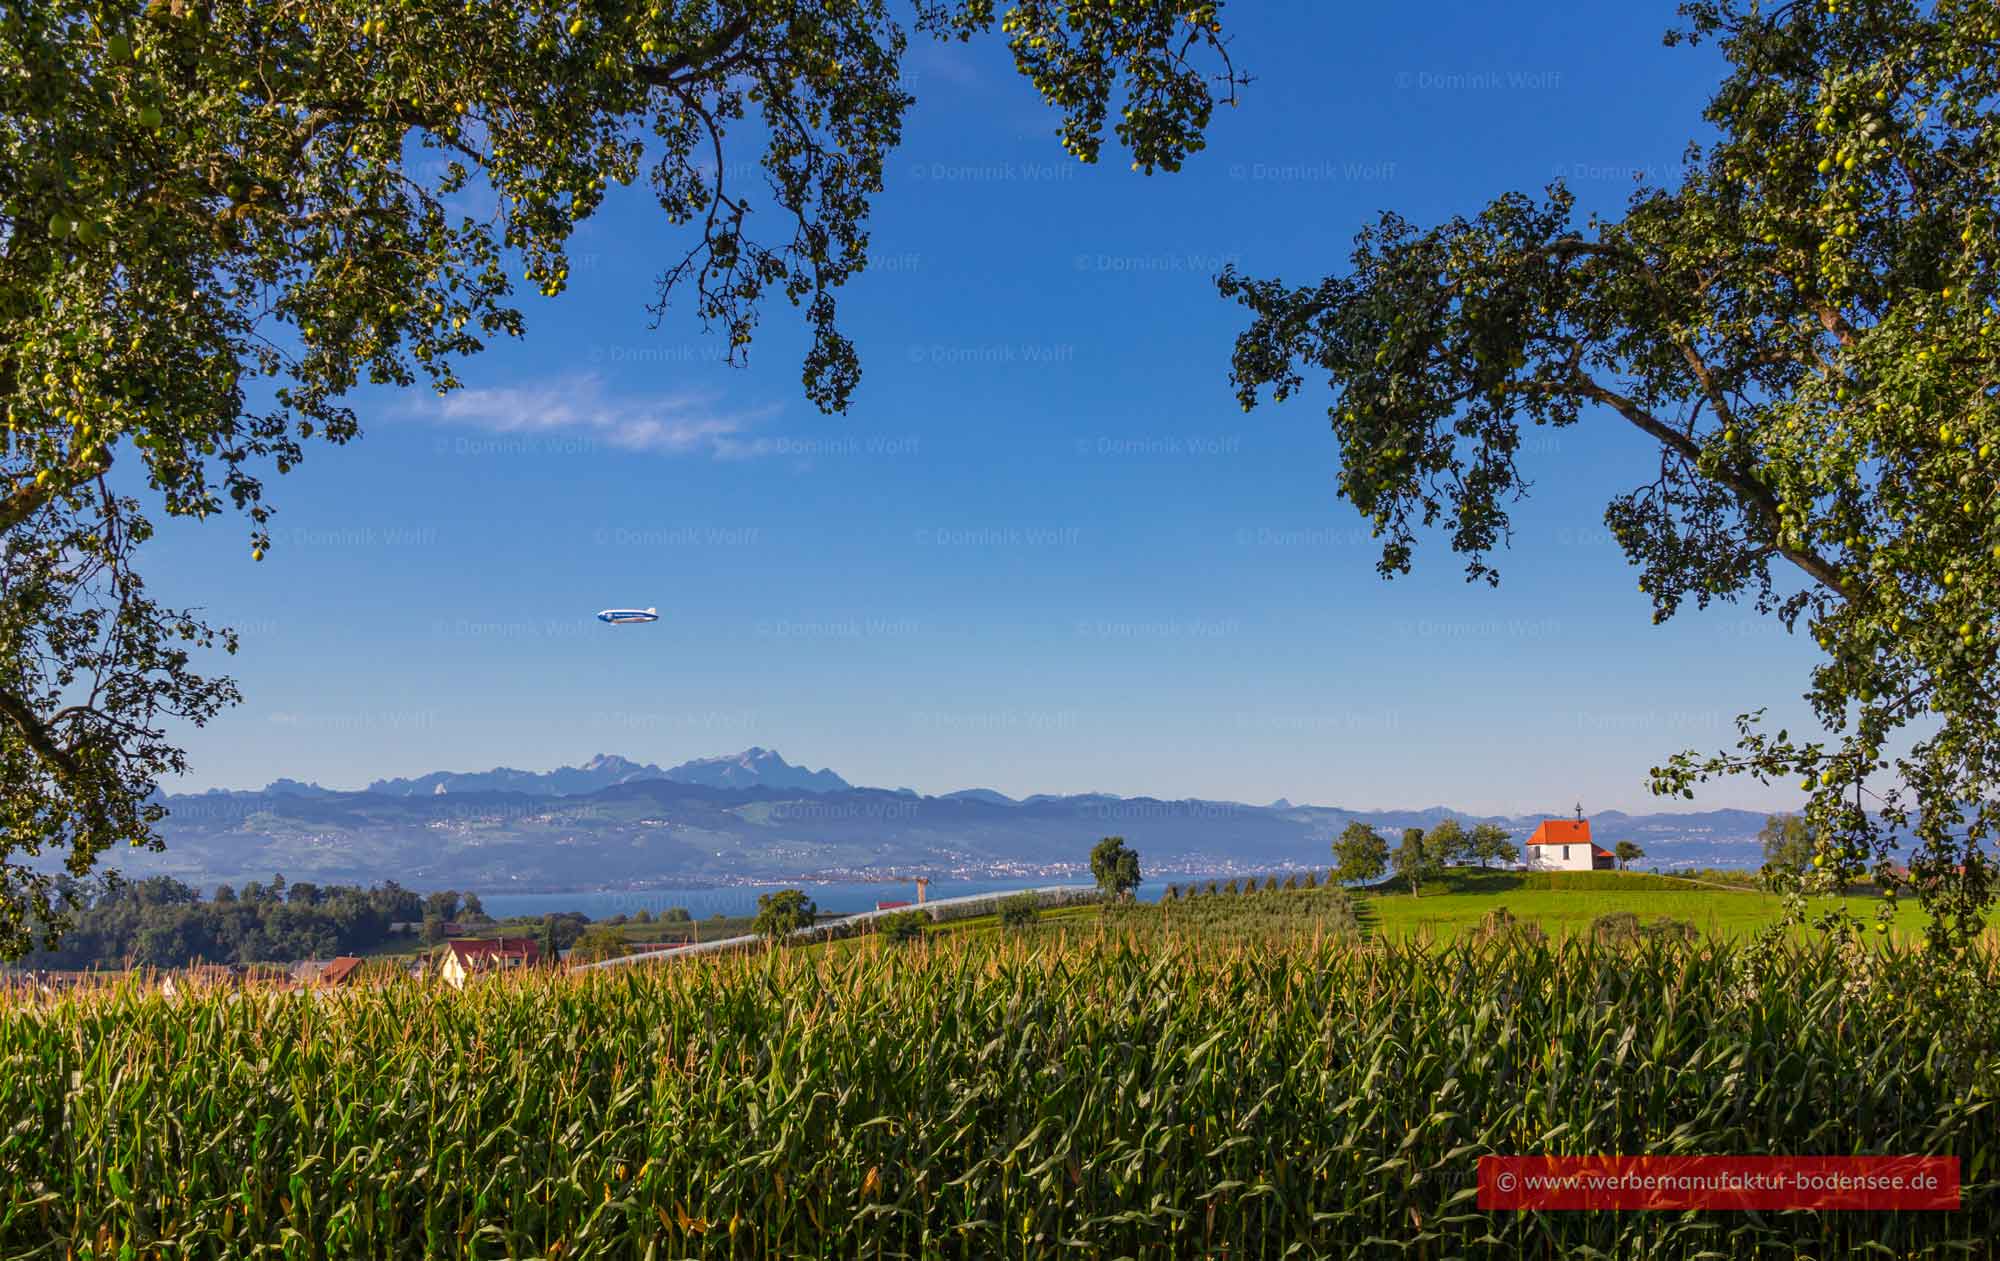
(36, 735)
(667, 74)
(22, 503)
(1752, 492)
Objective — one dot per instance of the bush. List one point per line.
(1312, 880)
(1020, 910)
(1615, 928)
(1675, 931)
(1622, 881)
(596, 945)
(1500, 925)
(1270, 884)
(902, 926)
(643, 917)
(1172, 894)
(1230, 888)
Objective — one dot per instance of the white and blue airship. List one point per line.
(628, 617)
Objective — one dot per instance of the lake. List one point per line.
(734, 900)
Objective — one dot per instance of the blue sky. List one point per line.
(1044, 551)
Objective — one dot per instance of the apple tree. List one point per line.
(1804, 327)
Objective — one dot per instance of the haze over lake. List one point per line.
(835, 898)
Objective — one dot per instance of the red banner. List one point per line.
(1718, 1182)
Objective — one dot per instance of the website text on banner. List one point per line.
(1879, 1183)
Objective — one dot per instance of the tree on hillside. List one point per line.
(902, 927)
(1020, 910)
(220, 219)
(1788, 846)
(1415, 861)
(1491, 844)
(1115, 865)
(1627, 852)
(1360, 854)
(1804, 325)
(1450, 843)
(598, 944)
(783, 913)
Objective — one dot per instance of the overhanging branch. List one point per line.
(1753, 493)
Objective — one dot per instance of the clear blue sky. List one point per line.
(1045, 551)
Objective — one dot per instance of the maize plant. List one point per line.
(1146, 1095)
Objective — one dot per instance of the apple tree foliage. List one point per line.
(1804, 330)
(219, 219)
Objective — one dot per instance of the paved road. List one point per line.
(940, 909)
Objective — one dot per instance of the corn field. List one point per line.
(1118, 1095)
(1274, 914)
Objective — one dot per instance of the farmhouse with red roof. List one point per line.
(465, 959)
(1565, 845)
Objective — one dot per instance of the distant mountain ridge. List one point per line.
(616, 822)
(754, 767)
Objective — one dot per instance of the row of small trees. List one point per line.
(1292, 881)
(1361, 854)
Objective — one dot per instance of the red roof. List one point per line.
(339, 970)
(1567, 832)
(889, 906)
(481, 949)
(1561, 832)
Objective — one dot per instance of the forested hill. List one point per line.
(162, 922)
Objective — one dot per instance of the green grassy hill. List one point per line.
(1564, 904)
(1561, 904)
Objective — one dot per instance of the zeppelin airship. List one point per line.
(627, 617)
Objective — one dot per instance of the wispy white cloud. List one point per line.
(667, 424)
(930, 59)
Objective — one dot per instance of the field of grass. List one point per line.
(1113, 1093)
(1562, 904)
(1565, 904)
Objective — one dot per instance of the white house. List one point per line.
(464, 960)
(1565, 845)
